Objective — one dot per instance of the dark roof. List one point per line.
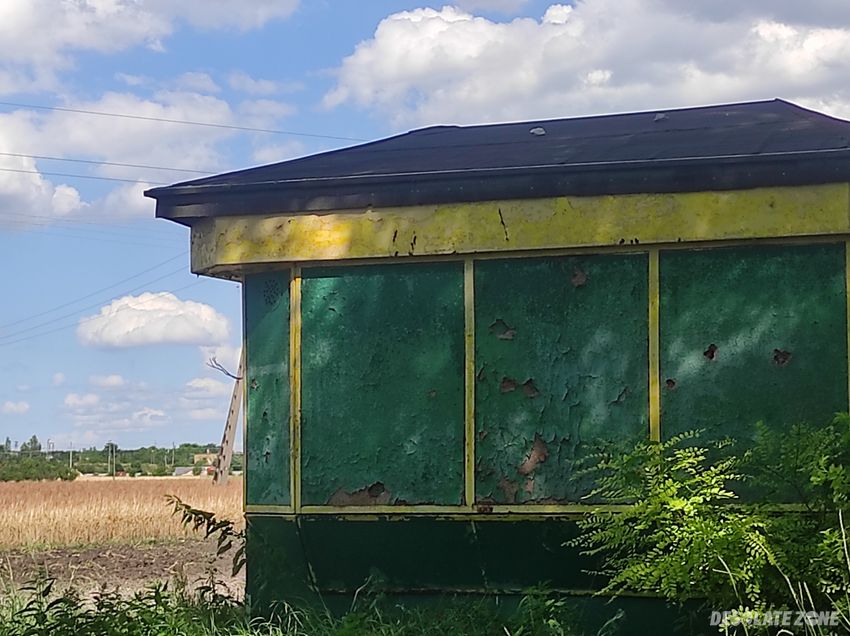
(724, 147)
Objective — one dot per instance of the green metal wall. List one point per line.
(562, 364)
(752, 334)
(266, 316)
(382, 385)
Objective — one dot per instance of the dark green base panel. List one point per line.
(324, 561)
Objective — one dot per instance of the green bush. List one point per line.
(700, 520)
(34, 469)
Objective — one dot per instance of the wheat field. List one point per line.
(99, 511)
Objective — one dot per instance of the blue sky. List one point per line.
(104, 333)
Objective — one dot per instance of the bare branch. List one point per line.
(215, 364)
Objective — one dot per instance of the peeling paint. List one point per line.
(571, 379)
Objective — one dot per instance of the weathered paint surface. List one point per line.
(752, 334)
(276, 566)
(266, 298)
(382, 385)
(561, 358)
(222, 244)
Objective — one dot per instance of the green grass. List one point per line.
(173, 611)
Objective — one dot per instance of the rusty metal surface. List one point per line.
(561, 359)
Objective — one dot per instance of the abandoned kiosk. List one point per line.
(438, 325)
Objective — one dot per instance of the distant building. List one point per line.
(182, 471)
(204, 458)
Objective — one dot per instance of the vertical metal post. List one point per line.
(225, 455)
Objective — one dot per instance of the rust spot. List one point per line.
(432, 393)
(482, 434)
(781, 358)
(485, 508)
(510, 488)
(507, 385)
(254, 384)
(622, 240)
(373, 495)
(579, 277)
(529, 486)
(529, 389)
(501, 330)
(539, 453)
(395, 235)
(711, 352)
(671, 383)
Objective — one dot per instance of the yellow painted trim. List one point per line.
(245, 389)
(223, 243)
(847, 300)
(254, 509)
(382, 510)
(469, 397)
(654, 347)
(295, 387)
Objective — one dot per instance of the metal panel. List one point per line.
(383, 396)
(561, 358)
(266, 298)
(752, 334)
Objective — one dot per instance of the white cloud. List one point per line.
(78, 401)
(500, 6)
(108, 381)
(39, 38)
(244, 83)
(207, 414)
(15, 408)
(58, 379)
(196, 82)
(152, 318)
(28, 198)
(272, 153)
(448, 66)
(208, 387)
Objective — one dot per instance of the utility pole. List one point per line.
(225, 456)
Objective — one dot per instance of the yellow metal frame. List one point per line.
(654, 341)
(295, 388)
(847, 300)
(469, 382)
(224, 244)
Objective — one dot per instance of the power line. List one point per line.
(62, 328)
(81, 176)
(73, 222)
(180, 121)
(94, 293)
(96, 228)
(87, 307)
(105, 163)
(102, 239)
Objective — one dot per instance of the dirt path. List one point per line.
(122, 567)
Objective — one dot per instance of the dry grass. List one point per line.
(103, 511)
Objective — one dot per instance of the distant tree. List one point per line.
(8, 445)
(32, 446)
